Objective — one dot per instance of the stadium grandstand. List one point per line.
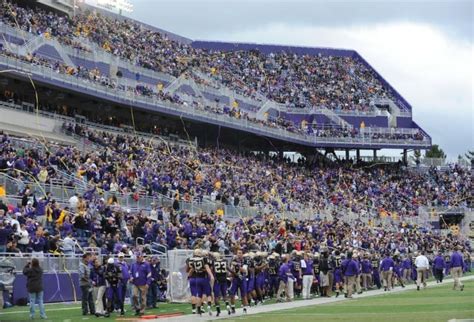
(143, 148)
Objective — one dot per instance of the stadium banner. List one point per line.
(60, 287)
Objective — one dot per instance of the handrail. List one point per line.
(158, 245)
(139, 239)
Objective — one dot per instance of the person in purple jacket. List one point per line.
(457, 264)
(5, 232)
(386, 267)
(283, 274)
(438, 267)
(356, 258)
(140, 278)
(350, 273)
(366, 272)
(125, 276)
(407, 268)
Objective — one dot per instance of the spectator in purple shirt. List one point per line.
(386, 267)
(350, 273)
(125, 275)
(140, 276)
(38, 243)
(5, 232)
(283, 274)
(366, 272)
(308, 275)
(438, 267)
(457, 265)
(407, 268)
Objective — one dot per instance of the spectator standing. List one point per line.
(125, 276)
(386, 267)
(23, 238)
(86, 285)
(5, 232)
(98, 281)
(284, 274)
(350, 272)
(457, 264)
(153, 291)
(438, 267)
(34, 285)
(141, 274)
(308, 275)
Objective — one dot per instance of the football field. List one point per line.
(436, 303)
(439, 303)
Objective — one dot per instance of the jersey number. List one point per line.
(197, 265)
(220, 267)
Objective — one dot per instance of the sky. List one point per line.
(425, 49)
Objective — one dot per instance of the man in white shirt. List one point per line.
(23, 238)
(422, 265)
(73, 202)
(68, 244)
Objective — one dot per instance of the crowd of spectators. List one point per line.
(127, 164)
(106, 225)
(153, 167)
(300, 81)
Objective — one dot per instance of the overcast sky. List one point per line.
(425, 49)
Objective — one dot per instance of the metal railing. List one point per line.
(29, 108)
(65, 263)
(50, 263)
(62, 192)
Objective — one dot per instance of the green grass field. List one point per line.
(433, 304)
(438, 303)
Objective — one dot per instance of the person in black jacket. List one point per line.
(34, 285)
(323, 273)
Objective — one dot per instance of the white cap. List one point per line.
(110, 261)
(121, 254)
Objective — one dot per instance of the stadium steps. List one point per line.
(37, 42)
(335, 118)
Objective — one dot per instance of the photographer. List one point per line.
(34, 285)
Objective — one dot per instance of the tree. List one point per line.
(435, 152)
(470, 158)
(417, 155)
(470, 155)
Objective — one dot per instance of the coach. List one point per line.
(422, 265)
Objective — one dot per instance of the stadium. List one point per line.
(148, 176)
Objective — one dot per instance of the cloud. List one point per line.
(432, 70)
(198, 18)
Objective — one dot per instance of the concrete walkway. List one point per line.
(291, 305)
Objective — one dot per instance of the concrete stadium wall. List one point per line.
(26, 121)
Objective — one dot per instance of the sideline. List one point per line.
(263, 308)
